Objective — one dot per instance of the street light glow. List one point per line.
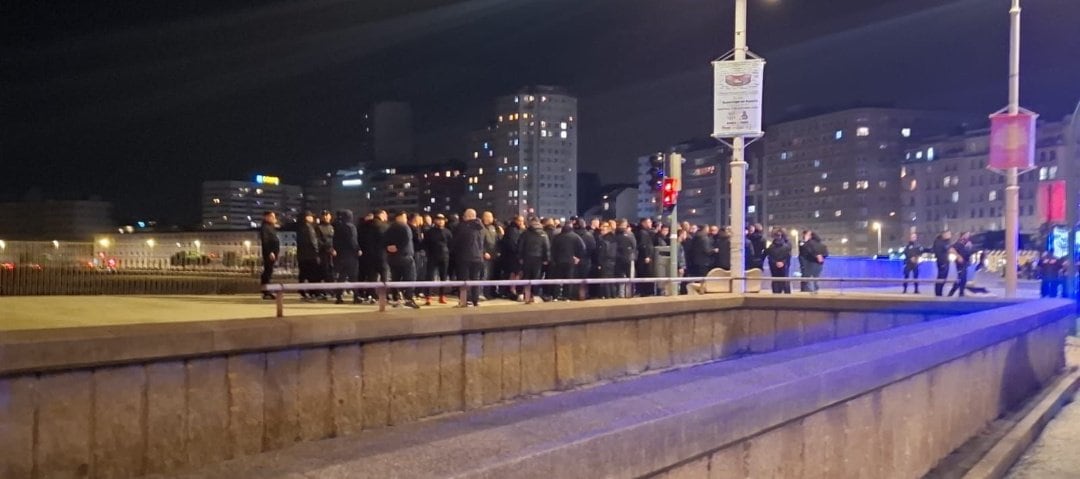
(151, 243)
(877, 226)
(103, 242)
(3, 245)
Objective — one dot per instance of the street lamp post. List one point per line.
(1012, 175)
(878, 227)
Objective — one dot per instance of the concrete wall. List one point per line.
(120, 402)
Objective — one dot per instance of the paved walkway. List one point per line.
(1056, 454)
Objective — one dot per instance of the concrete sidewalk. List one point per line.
(1056, 454)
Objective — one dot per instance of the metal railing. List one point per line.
(40, 280)
(383, 290)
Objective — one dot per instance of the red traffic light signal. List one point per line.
(669, 193)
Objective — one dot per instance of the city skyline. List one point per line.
(113, 124)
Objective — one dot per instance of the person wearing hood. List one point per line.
(373, 266)
(566, 252)
(307, 254)
(534, 249)
(699, 253)
(468, 253)
(607, 251)
(756, 253)
(346, 244)
(325, 232)
(509, 255)
(778, 254)
(437, 241)
(585, 266)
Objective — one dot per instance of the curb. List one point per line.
(997, 462)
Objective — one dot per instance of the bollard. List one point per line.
(528, 293)
(463, 295)
(380, 291)
(279, 299)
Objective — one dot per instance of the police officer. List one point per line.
(912, 252)
(941, 256)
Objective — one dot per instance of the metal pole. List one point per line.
(738, 170)
(1069, 172)
(674, 170)
(1012, 186)
(879, 239)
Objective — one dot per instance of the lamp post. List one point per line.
(878, 227)
(1012, 175)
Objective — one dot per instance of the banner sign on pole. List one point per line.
(1012, 141)
(737, 98)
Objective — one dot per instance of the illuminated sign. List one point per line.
(267, 180)
(352, 182)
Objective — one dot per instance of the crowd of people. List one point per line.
(335, 247)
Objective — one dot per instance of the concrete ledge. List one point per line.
(997, 462)
(84, 347)
(768, 405)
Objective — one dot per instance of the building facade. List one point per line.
(836, 173)
(387, 134)
(239, 205)
(481, 170)
(55, 220)
(535, 152)
(945, 184)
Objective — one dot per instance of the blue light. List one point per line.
(142, 224)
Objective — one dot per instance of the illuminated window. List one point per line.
(817, 189)
(905, 132)
(846, 185)
(992, 196)
(817, 213)
(903, 171)
(1053, 172)
(955, 197)
(824, 176)
(945, 182)
(817, 163)
(914, 184)
(862, 131)
(930, 154)
(839, 134)
(838, 213)
(217, 201)
(562, 134)
(1042, 173)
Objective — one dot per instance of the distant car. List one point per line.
(33, 266)
(7, 266)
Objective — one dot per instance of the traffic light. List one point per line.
(669, 193)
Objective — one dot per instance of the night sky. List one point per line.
(138, 102)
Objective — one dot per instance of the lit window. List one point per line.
(946, 182)
(817, 163)
(1042, 173)
(918, 155)
(992, 196)
(839, 134)
(862, 131)
(824, 176)
(1053, 172)
(955, 197)
(817, 189)
(847, 185)
(882, 184)
(562, 134)
(476, 154)
(914, 184)
(563, 125)
(217, 201)
(480, 195)
(905, 132)
(903, 171)
(817, 213)
(838, 213)
(930, 153)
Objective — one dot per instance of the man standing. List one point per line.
(941, 255)
(756, 254)
(912, 252)
(325, 232)
(607, 252)
(778, 254)
(468, 253)
(398, 243)
(347, 248)
(627, 255)
(566, 252)
(812, 256)
(307, 253)
(646, 252)
(491, 251)
(271, 249)
(373, 264)
(437, 242)
(534, 249)
(585, 266)
(963, 250)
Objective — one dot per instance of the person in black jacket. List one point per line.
(756, 254)
(607, 251)
(646, 255)
(468, 253)
(324, 231)
(271, 248)
(627, 254)
(307, 253)
(437, 241)
(912, 253)
(491, 252)
(721, 244)
(812, 256)
(346, 245)
(373, 266)
(585, 266)
(963, 250)
(534, 249)
(398, 244)
(941, 254)
(509, 256)
(778, 255)
(699, 253)
(566, 252)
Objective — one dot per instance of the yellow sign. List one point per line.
(267, 180)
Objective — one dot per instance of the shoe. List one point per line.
(412, 304)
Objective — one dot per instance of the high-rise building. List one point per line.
(436, 188)
(239, 205)
(535, 151)
(836, 173)
(481, 170)
(387, 134)
(945, 184)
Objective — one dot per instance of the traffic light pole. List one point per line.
(674, 171)
(738, 171)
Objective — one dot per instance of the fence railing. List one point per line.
(384, 290)
(39, 280)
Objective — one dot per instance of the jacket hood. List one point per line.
(345, 216)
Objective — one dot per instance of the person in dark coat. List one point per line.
(627, 253)
(756, 253)
(912, 253)
(271, 249)
(778, 255)
(324, 230)
(699, 253)
(437, 241)
(646, 255)
(534, 249)
(1049, 275)
(373, 263)
(398, 244)
(468, 253)
(307, 253)
(963, 250)
(566, 252)
(812, 256)
(721, 244)
(941, 247)
(509, 256)
(346, 245)
(585, 266)
(607, 253)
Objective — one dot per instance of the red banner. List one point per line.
(1051, 201)
(1012, 140)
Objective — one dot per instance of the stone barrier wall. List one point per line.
(123, 402)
